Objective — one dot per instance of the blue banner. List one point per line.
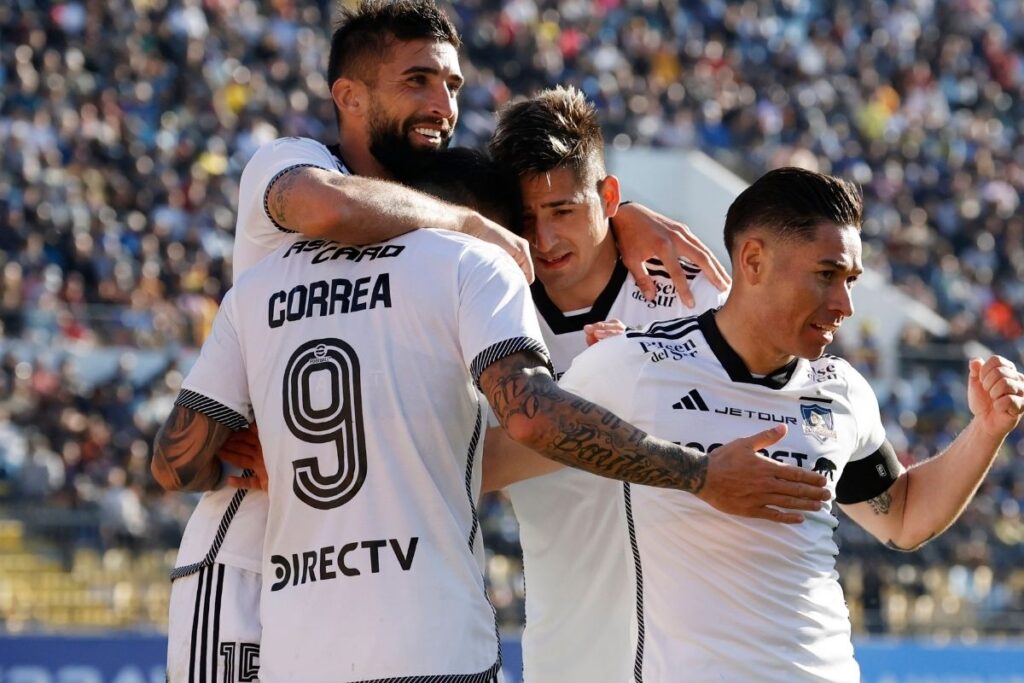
(140, 659)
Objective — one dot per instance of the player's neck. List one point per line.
(740, 330)
(584, 293)
(359, 160)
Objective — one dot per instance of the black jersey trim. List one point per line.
(266, 194)
(470, 460)
(488, 676)
(496, 352)
(675, 328)
(656, 267)
(638, 660)
(212, 409)
(733, 364)
(564, 324)
(868, 477)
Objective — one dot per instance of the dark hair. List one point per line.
(792, 203)
(362, 36)
(469, 177)
(555, 128)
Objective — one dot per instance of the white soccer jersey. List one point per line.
(359, 364)
(726, 598)
(227, 525)
(579, 592)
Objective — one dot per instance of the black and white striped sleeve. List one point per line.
(211, 408)
(492, 354)
(266, 167)
(496, 313)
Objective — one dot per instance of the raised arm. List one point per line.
(573, 431)
(324, 204)
(927, 498)
(185, 451)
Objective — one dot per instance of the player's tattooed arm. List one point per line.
(356, 210)
(185, 450)
(575, 432)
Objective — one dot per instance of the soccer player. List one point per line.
(359, 365)
(394, 76)
(572, 523)
(723, 598)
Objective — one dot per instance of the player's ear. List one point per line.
(351, 96)
(751, 260)
(609, 190)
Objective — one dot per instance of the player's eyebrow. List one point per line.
(432, 71)
(839, 265)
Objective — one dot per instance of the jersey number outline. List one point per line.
(341, 421)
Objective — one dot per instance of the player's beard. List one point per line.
(390, 146)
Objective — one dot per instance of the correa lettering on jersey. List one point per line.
(329, 297)
(326, 250)
(660, 350)
(333, 562)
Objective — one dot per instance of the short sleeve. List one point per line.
(497, 317)
(870, 431)
(217, 385)
(268, 164)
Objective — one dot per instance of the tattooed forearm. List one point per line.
(881, 504)
(185, 450)
(578, 433)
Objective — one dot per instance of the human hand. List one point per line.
(643, 234)
(487, 230)
(595, 332)
(995, 395)
(243, 450)
(741, 482)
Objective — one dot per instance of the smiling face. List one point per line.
(804, 288)
(412, 102)
(566, 222)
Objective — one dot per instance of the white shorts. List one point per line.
(213, 631)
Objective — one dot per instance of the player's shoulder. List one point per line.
(838, 374)
(293, 151)
(669, 329)
(467, 249)
(656, 269)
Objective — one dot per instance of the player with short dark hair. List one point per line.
(727, 598)
(573, 524)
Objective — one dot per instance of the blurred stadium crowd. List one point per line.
(124, 125)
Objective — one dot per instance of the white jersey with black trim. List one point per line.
(227, 525)
(727, 598)
(572, 527)
(360, 373)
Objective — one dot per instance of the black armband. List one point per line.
(625, 203)
(869, 477)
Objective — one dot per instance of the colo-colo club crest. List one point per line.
(818, 422)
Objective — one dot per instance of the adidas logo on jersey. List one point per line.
(692, 401)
